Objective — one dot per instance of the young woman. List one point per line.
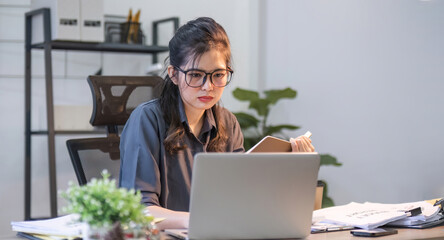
(162, 136)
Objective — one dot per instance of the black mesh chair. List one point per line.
(114, 98)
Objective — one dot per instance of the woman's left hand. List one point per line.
(301, 144)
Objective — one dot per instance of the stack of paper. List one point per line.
(358, 215)
(62, 226)
(429, 214)
(372, 215)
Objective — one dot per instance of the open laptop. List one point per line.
(251, 196)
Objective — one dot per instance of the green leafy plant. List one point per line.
(255, 127)
(101, 203)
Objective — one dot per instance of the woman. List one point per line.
(162, 136)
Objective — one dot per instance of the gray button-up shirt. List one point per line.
(164, 179)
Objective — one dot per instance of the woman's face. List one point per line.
(197, 100)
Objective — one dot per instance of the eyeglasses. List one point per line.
(196, 78)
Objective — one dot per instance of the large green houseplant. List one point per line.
(255, 127)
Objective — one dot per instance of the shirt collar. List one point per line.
(183, 115)
(209, 121)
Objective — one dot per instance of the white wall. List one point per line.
(70, 70)
(370, 89)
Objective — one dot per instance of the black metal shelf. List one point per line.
(69, 132)
(101, 47)
(48, 46)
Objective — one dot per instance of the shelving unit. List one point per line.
(47, 46)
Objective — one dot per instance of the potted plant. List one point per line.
(109, 211)
(255, 127)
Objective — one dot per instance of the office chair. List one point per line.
(114, 98)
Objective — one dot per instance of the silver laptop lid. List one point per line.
(256, 195)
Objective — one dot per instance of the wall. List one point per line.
(70, 69)
(369, 81)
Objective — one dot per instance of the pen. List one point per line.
(130, 15)
(321, 229)
(440, 202)
(129, 29)
(135, 25)
(414, 212)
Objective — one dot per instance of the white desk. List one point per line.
(403, 233)
(435, 233)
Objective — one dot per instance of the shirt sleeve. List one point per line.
(140, 156)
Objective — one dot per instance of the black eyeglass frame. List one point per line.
(206, 75)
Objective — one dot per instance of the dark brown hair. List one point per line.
(189, 43)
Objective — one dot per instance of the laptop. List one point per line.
(251, 196)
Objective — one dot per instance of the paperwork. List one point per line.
(372, 215)
(63, 228)
(60, 226)
(429, 213)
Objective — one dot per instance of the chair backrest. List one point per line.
(112, 94)
(89, 156)
(114, 98)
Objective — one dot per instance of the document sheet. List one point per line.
(372, 215)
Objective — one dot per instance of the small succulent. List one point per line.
(100, 203)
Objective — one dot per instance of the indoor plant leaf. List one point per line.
(260, 105)
(246, 120)
(275, 95)
(278, 128)
(250, 142)
(327, 159)
(245, 95)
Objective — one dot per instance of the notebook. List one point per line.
(271, 144)
(251, 196)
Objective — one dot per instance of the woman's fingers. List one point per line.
(307, 144)
(301, 144)
(294, 146)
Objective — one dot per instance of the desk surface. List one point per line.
(403, 233)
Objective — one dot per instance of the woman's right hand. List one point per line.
(173, 219)
(301, 144)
